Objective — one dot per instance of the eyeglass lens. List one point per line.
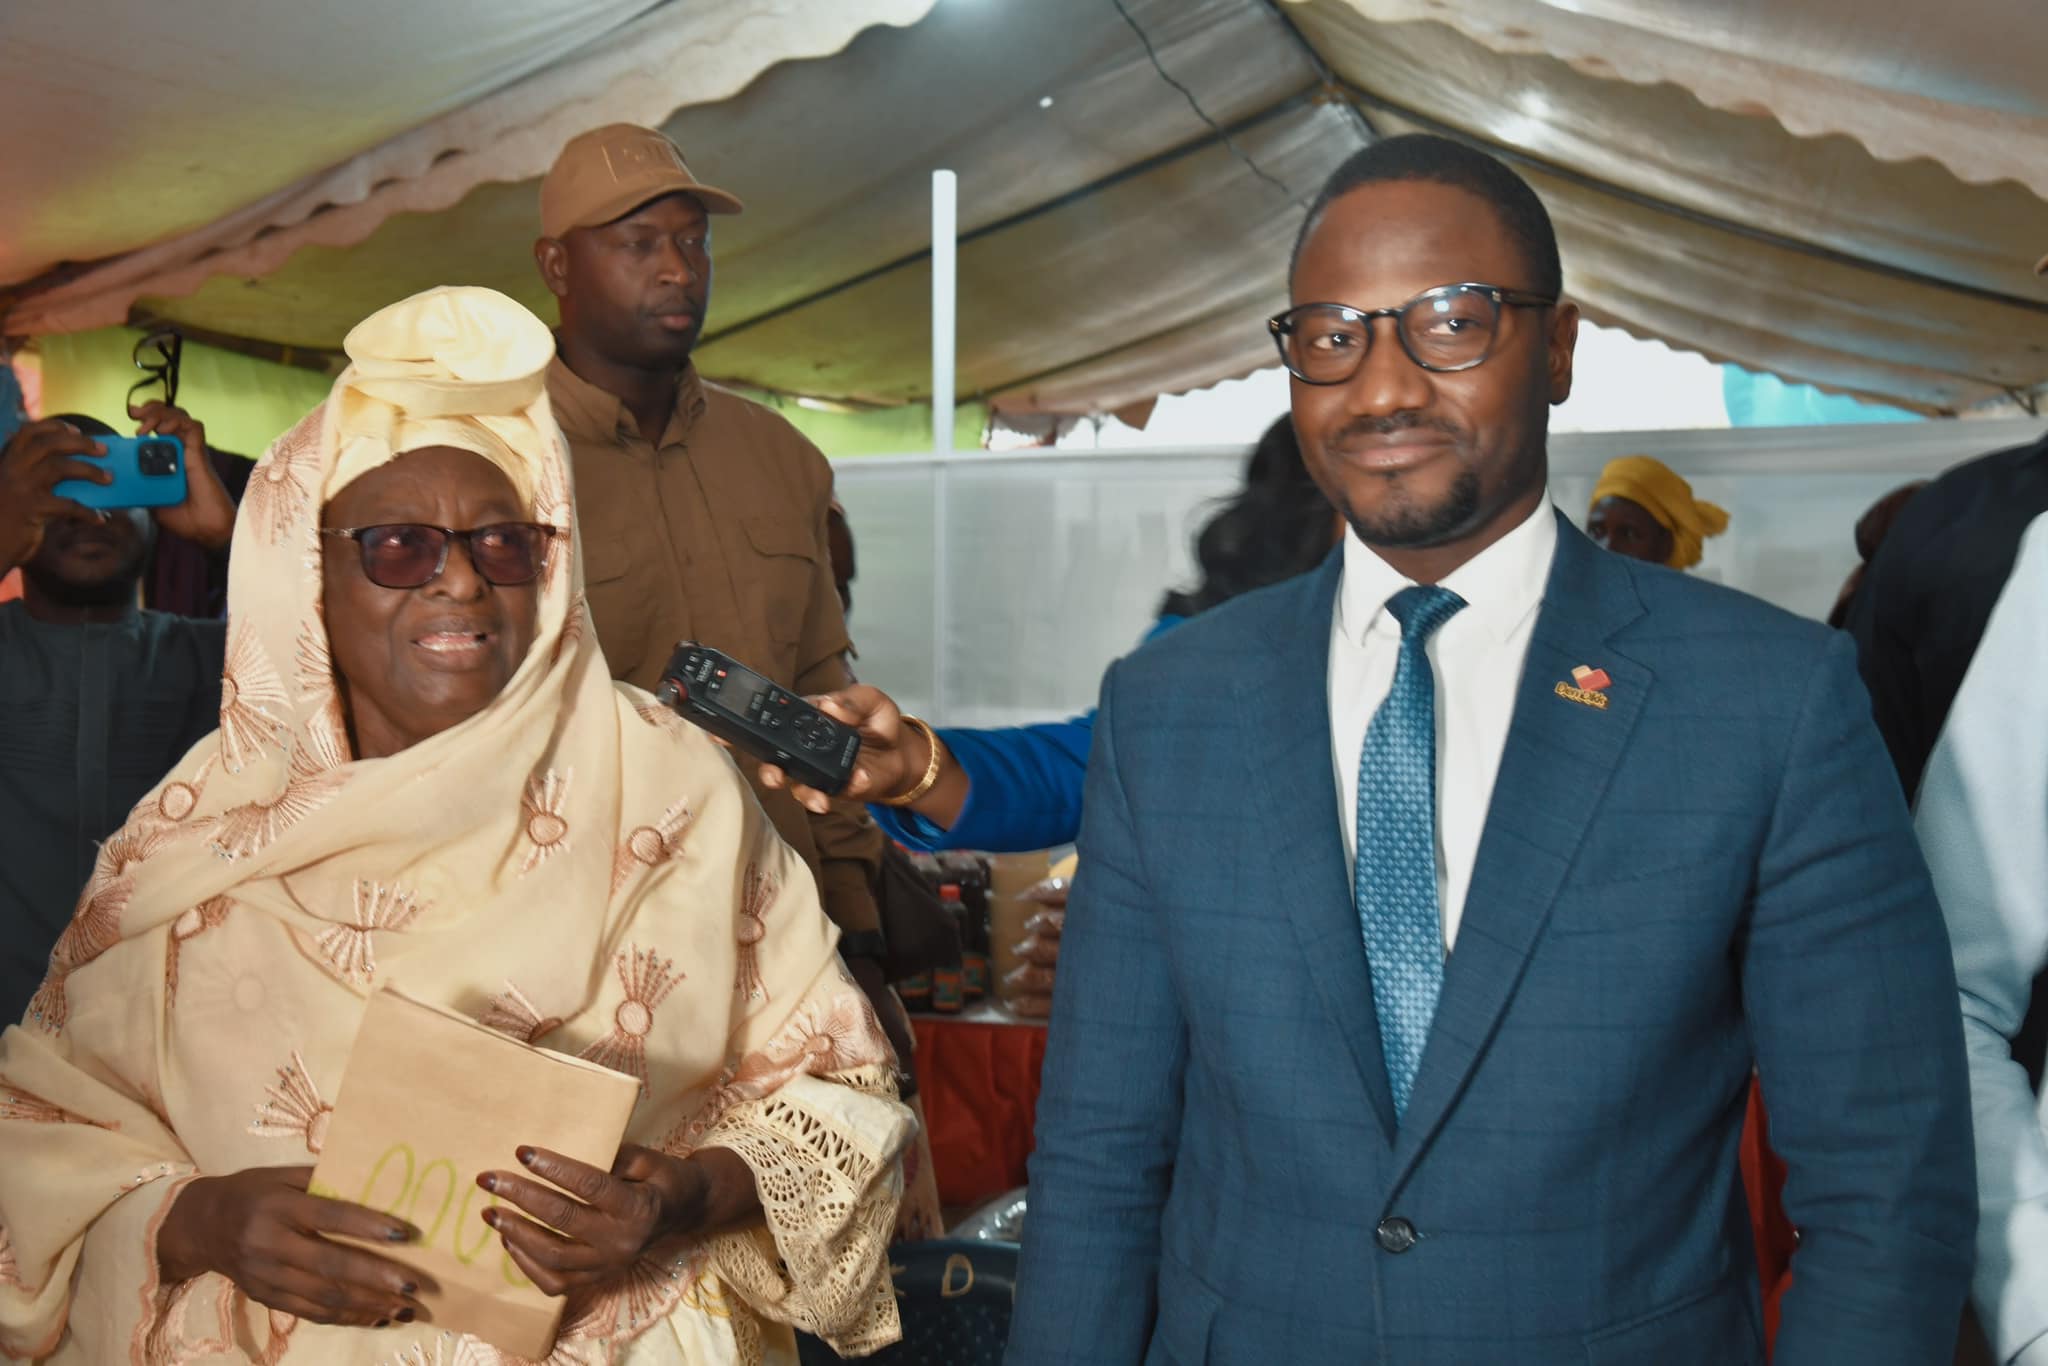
(1443, 330)
(409, 555)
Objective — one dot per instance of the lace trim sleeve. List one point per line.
(825, 1156)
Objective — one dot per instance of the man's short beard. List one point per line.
(109, 592)
(1399, 522)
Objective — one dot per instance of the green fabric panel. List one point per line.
(244, 403)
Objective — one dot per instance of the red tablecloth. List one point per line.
(979, 1079)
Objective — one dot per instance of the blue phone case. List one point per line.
(149, 472)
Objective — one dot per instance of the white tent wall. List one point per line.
(994, 589)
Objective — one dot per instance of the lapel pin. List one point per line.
(1588, 687)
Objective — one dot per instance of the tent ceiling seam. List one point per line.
(1698, 217)
(1077, 195)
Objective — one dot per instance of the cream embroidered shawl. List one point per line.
(572, 865)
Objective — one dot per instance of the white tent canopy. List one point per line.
(1848, 192)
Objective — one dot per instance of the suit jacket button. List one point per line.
(1396, 1235)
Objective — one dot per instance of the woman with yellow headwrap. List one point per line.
(1642, 508)
(424, 772)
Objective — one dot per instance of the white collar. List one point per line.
(1501, 585)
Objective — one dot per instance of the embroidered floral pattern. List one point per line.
(293, 1108)
(327, 729)
(547, 829)
(28, 1108)
(205, 916)
(509, 1012)
(249, 828)
(349, 950)
(659, 717)
(648, 978)
(277, 491)
(756, 895)
(95, 928)
(252, 702)
(650, 846)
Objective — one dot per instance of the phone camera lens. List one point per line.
(156, 458)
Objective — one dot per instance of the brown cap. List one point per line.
(610, 171)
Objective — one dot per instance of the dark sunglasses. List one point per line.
(412, 554)
(157, 356)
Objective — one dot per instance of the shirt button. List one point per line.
(1395, 1235)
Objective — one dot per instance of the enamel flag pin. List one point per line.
(1588, 687)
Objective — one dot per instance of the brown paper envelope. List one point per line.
(432, 1099)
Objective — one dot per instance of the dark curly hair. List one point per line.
(1277, 526)
(1424, 156)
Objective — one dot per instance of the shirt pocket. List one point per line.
(779, 593)
(620, 605)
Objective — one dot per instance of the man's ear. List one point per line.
(1564, 338)
(553, 259)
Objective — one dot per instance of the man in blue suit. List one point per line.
(1436, 907)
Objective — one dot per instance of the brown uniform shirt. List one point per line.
(717, 534)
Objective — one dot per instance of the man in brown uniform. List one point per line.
(703, 514)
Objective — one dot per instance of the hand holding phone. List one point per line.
(143, 472)
(39, 457)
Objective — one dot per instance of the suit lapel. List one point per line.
(1287, 713)
(1556, 766)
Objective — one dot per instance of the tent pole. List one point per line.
(945, 280)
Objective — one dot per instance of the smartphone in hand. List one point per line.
(148, 470)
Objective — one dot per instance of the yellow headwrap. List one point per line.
(1658, 490)
(456, 366)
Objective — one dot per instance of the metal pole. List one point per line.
(945, 281)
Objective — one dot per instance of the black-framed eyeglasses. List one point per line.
(413, 554)
(157, 355)
(1449, 328)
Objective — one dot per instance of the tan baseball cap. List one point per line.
(608, 172)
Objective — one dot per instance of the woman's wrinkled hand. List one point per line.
(262, 1230)
(588, 1225)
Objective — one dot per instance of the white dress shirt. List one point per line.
(1477, 658)
(1982, 818)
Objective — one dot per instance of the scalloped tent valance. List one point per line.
(1847, 192)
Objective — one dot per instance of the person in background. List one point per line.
(98, 697)
(1927, 593)
(1019, 788)
(1871, 529)
(1414, 981)
(705, 514)
(1641, 508)
(1982, 817)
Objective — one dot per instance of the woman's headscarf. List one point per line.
(1659, 491)
(572, 864)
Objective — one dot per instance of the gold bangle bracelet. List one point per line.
(931, 770)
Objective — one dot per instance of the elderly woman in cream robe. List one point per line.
(425, 775)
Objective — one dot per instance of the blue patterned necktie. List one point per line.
(1395, 877)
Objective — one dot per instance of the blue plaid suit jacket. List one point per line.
(1713, 872)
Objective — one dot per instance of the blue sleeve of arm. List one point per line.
(1024, 785)
(1024, 790)
(1850, 994)
(1109, 1115)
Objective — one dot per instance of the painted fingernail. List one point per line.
(491, 1217)
(405, 1315)
(526, 1156)
(489, 1181)
(383, 1323)
(398, 1233)
(409, 1289)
